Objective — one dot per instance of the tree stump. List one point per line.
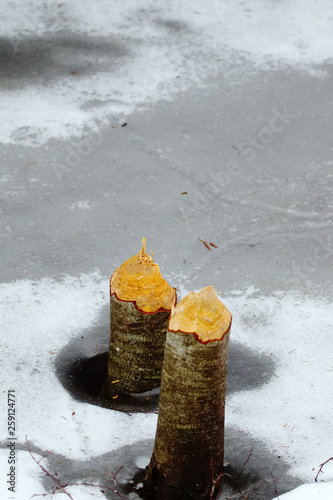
(189, 444)
(140, 306)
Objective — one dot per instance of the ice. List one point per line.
(228, 115)
(138, 52)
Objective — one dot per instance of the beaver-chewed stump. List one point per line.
(189, 444)
(140, 306)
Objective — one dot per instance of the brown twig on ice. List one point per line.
(56, 481)
(207, 244)
(215, 481)
(245, 463)
(274, 482)
(321, 468)
(62, 487)
(114, 477)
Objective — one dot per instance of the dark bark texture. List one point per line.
(137, 342)
(189, 444)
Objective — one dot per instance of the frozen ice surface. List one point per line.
(175, 122)
(72, 65)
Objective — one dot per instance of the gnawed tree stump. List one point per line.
(140, 306)
(189, 443)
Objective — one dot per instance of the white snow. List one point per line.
(162, 47)
(29, 475)
(322, 491)
(42, 316)
(153, 50)
(294, 408)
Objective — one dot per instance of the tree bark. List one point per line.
(189, 444)
(140, 306)
(136, 348)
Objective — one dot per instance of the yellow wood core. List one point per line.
(139, 280)
(201, 314)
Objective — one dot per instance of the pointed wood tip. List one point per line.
(139, 280)
(143, 251)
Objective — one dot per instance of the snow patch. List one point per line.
(322, 491)
(295, 413)
(143, 51)
(42, 316)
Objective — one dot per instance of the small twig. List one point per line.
(215, 481)
(321, 468)
(58, 484)
(245, 463)
(205, 243)
(114, 476)
(275, 489)
(61, 487)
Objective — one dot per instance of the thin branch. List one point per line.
(58, 484)
(61, 487)
(321, 468)
(274, 482)
(215, 481)
(205, 243)
(114, 476)
(245, 463)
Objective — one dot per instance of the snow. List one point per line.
(136, 52)
(29, 471)
(76, 70)
(42, 316)
(323, 491)
(293, 406)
